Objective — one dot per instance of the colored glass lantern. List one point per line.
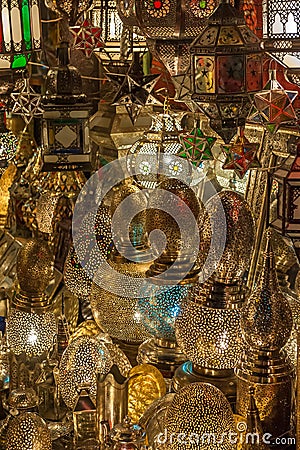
(286, 184)
(65, 122)
(20, 32)
(226, 67)
(170, 28)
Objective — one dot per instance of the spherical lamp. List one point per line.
(28, 431)
(208, 325)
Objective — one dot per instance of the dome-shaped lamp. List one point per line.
(199, 410)
(31, 325)
(266, 325)
(208, 325)
(28, 431)
(86, 358)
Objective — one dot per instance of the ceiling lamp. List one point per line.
(226, 67)
(282, 35)
(170, 27)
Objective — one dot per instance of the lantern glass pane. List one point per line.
(16, 28)
(230, 73)
(204, 74)
(36, 26)
(294, 204)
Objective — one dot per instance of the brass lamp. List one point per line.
(266, 323)
(198, 418)
(208, 326)
(161, 302)
(31, 326)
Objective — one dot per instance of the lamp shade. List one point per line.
(28, 431)
(226, 66)
(201, 416)
(82, 360)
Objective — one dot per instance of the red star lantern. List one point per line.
(87, 37)
(273, 105)
(240, 156)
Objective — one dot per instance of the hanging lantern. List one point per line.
(281, 34)
(20, 32)
(65, 118)
(170, 28)
(226, 66)
(8, 143)
(286, 186)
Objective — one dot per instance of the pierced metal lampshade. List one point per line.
(28, 431)
(185, 206)
(266, 325)
(239, 238)
(208, 326)
(199, 409)
(226, 66)
(120, 316)
(31, 326)
(146, 154)
(84, 358)
(8, 142)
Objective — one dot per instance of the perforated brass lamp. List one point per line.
(266, 323)
(226, 67)
(208, 326)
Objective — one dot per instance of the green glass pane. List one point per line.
(26, 24)
(19, 62)
(203, 4)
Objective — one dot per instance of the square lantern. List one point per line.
(66, 137)
(226, 68)
(286, 188)
(20, 32)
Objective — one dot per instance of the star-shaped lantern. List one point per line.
(273, 105)
(27, 103)
(135, 88)
(196, 147)
(87, 37)
(241, 156)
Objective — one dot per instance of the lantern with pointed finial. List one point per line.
(65, 118)
(226, 66)
(266, 325)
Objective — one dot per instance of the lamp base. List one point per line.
(225, 380)
(163, 354)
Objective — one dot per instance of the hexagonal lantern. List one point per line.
(170, 26)
(226, 67)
